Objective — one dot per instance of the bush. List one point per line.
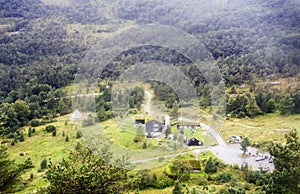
(54, 133)
(224, 177)
(29, 132)
(21, 137)
(12, 143)
(44, 164)
(78, 134)
(35, 123)
(67, 138)
(50, 128)
(31, 176)
(210, 166)
(163, 183)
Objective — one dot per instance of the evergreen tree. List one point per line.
(168, 131)
(286, 176)
(252, 108)
(78, 134)
(177, 188)
(210, 166)
(244, 144)
(54, 133)
(44, 164)
(271, 106)
(21, 138)
(29, 132)
(9, 172)
(286, 105)
(85, 172)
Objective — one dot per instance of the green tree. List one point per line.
(78, 134)
(174, 110)
(67, 138)
(286, 176)
(210, 166)
(181, 169)
(177, 188)
(22, 110)
(286, 105)
(252, 108)
(10, 172)
(44, 164)
(85, 171)
(29, 132)
(168, 131)
(244, 144)
(21, 138)
(271, 106)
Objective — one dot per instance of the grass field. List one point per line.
(43, 145)
(261, 129)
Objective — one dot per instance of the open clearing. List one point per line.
(261, 129)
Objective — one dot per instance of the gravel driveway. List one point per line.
(231, 154)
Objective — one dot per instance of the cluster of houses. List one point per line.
(155, 129)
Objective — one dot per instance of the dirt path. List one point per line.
(148, 102)
(247, 126)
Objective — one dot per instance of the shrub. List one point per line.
(67, 138)
(54, 133)
(210, 166)
(44, 164)
(21, 136)
(29, 132)
(12, 143)
(50, 128)
(63, 134)
(35, 123)
(31, 176)
(163, 183)
(78, 134)
(224, 177)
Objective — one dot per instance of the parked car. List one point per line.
(271, 159)
(261, 157)
(264, 168)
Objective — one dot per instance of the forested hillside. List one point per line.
(43, 44)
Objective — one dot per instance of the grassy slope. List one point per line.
(42, 145)
(271, 127)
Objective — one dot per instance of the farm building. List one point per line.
(153, 128)
(194, 142)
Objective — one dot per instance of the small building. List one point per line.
(194, 142)
(235, 139)
(153, 128)
(138, 122)
(185, 125)
(76, 115)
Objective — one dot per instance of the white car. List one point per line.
(261, 157)
(264, 168)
